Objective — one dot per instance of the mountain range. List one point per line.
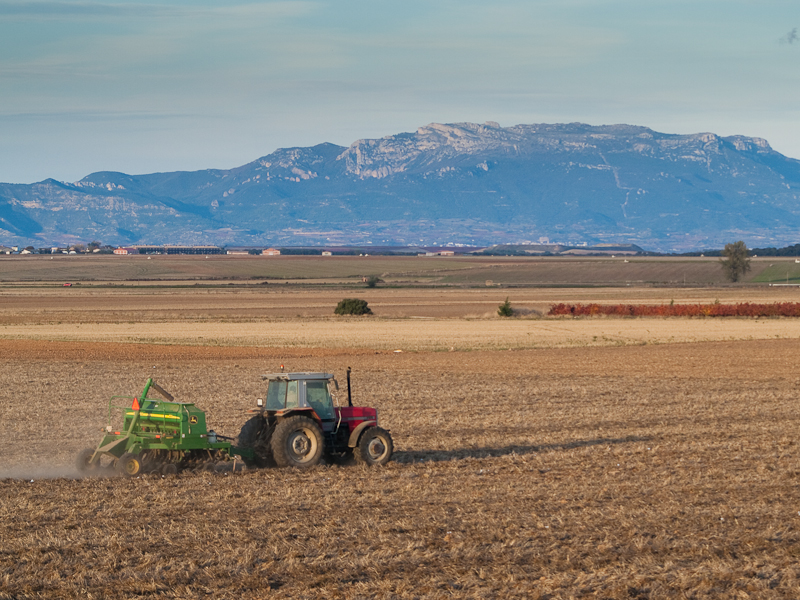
(463, 183)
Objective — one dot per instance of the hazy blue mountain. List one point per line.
(463, 183)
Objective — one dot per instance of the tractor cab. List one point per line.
(289, 392)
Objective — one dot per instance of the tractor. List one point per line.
(299, 424)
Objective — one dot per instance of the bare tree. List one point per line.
(736, 261)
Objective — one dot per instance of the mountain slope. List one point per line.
(463, 183)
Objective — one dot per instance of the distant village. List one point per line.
(97, 248)
(496, 250)
(188, 250)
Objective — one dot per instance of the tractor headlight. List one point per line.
(260, 402)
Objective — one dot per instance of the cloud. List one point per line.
(63, 9)
(790, 38)
(54, 9)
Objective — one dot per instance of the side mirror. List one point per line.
(260, 402)
(336, 385)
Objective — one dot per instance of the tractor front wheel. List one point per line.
(374, 448)
(129, 464)
(297, 442)
(84, 463)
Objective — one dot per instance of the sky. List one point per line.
(167, 85)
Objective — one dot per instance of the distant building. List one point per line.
(193, 250)
(327, 253)
(128, 250)
(239, 252)
(169, 249)
(271, 252)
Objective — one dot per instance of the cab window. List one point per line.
(291, 395)
(276, 395)
(319, 399)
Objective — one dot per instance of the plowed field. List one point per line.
(634, 470)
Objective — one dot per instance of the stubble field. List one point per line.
(565, 467)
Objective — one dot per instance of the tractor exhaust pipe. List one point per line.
(349, 395)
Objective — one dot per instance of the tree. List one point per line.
(372, 281)
(736, 261)
(352, 306)
(505, 310)
(95, 245)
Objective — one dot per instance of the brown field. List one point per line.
(90, 304)
(467, 271)
(609, 458)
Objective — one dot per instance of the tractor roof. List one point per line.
(296, 376)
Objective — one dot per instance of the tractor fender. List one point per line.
(351, 443)
(285, 413)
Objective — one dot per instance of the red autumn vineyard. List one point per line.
(746, 309)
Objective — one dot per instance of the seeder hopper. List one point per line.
(158, 435)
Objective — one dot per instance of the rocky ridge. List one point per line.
(456, 183)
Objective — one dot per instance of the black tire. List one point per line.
(169, 469)
(249, 433)
(297, 442)
(129, 465)
(375, 447)
(255, 434)
(83, 464)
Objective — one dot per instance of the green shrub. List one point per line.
(352, 306)
(505, 310)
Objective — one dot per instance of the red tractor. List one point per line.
(299, 424)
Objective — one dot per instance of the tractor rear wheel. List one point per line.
(129, 464)
(297, 442)
(83, 464)
(374, 448)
